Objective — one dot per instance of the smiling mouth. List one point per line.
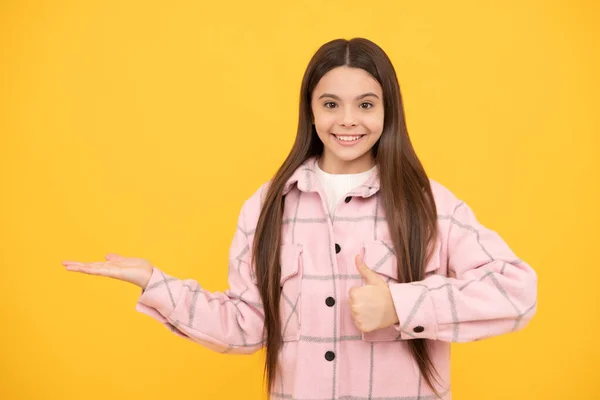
(348, 138)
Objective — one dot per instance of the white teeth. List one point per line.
(348, 138)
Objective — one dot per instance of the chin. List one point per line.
(350, 156)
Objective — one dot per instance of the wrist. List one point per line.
(393, 314)
(145, 279)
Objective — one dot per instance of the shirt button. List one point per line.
(330, 301)
(347, 199)
(337, 248)
(418, 329)
(329, 356)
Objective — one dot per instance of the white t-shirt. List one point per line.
(336, 186)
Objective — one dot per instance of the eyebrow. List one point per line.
(362, 96)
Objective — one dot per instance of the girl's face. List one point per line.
(347, 106)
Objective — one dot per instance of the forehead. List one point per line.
(347, 82)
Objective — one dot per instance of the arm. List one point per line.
(488, 292)
(230, 321)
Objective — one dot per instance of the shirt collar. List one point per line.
(305, 179)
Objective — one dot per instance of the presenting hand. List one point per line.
(132, 270)
(372, 305)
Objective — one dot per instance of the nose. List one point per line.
(348, 117)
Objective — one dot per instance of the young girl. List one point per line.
(353, 268)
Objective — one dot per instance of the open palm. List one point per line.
(128, 269)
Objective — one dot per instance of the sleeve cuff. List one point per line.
(415, 310)
(158, 299)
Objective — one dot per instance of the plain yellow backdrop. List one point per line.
(140, 127)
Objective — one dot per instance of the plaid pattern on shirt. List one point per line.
(475, 287)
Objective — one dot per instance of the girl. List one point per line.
(353, 268)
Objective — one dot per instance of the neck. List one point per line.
(333, 165)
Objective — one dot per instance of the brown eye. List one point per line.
(330, 104)
(368, 105)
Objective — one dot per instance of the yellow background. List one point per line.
(140, 127)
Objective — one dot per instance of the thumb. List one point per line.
(370, 277)
(123, 261)
(112, 257)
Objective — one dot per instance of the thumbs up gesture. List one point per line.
(371, 305)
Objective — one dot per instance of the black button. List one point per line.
(330, 301)
(418, 329)
(329, 356)
(347, 199)
(337, 248)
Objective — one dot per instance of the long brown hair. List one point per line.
(405, 191)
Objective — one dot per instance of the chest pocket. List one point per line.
(291, 290)
(379, 257)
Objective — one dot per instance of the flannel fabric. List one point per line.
(475, 287)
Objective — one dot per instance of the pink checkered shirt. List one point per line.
(475, 287)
